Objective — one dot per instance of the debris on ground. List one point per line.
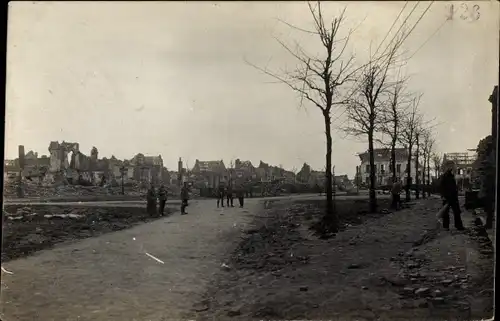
(387, 266)
(28, 229)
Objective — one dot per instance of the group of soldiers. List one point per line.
(224, 193)
(228, 192)
(161, 195)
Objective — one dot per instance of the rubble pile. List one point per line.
(35, 189)
(432, 276)
(270, 247)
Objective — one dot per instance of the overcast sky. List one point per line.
(170, 78)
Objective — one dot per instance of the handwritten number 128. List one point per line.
(466, 12)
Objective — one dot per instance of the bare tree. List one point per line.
(319, 79)
(431, 145)
(391, 117)
(427, 146)
(411, 125)
(418, 142)
(437, 160)
(366, 106)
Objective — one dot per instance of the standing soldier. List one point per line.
(230, 195)
(162, 198)
(240, 194)
(151, 200)
(184, 198)
(220, 194)
(396, 194)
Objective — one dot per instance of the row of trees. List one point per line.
(373, 95)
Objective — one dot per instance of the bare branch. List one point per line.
(289, 84)
(411, 123)
(296, 28)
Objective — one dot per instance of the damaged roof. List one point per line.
(243, 164)
(211, 166)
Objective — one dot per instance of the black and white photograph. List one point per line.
(250, 160)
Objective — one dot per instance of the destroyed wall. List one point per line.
(79, 167)
(55, 160)
(58, 169)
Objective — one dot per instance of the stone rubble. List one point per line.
(34, 189)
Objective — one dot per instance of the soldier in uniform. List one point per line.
(151, 201)
(220, 194)
(162, 199)
(396, 194)
(240, 194)
(229, 193)
(184, 198)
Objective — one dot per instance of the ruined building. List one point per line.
(209, 173)
(68, 162)
(147, 168)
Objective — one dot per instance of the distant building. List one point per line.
(464, 163)
(145, 168)
(268, 173)
(34, 166)
(343, 182)
(243, 171)
(383, 172)
(209, 173)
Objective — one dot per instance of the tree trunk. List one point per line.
(417, 179)
(424, 189)
(429, 175)
(408, 175)
(373, 196)
(393, 143)
(393, 160)
(330, 215)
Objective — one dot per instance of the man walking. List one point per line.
(184, 198)
(162, 198)
(240, 194)
(220, 195)
(449, 192)
(230, 198)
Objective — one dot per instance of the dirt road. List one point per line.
(142, 203)
(149, 272)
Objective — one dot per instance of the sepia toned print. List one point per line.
(250, 161)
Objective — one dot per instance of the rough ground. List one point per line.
(28, 229)
(399, 266)
(33, 189)
(111, 278)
